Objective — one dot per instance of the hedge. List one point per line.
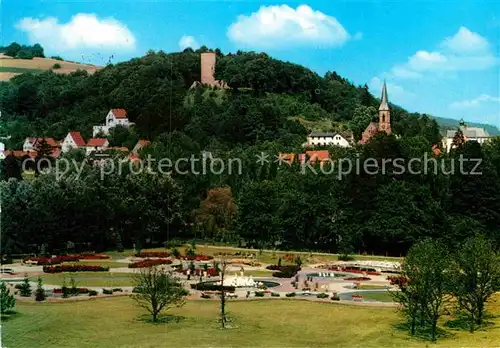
(74, 268)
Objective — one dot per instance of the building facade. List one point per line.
(469, 133)
(384, 119)
(115, 117)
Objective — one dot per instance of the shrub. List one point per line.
(322, 295)
(92, 293)
(25, 288)
(286, 271)
(56, 58)
(176, 253)
(275, 294)
(56, 66)
(357, 278)
(74, 268)
(335, 298)
(346, 257)
(291, 294)
(211, 287)
(107, 292)
(259, 294)
(198, 257)
(7, 300)
(117, 290)
(205, 296)
(149, 263)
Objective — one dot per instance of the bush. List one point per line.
(56, 58)
(7, 300)
(117, 290)
(286, 271)
(211, 287)
(275, 294)
(107, 292)
(176, 253)
(335, 298)
(92, 293)
(259, 294)
(74, 268)
(346, 257)
(322, 295)
(205, 296)
(291, 294)
(25, 288)
(56, 66)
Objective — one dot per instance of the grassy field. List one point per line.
(120, 323)
(82, 279)
(12, 67)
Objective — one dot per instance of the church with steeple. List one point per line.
(384, 119)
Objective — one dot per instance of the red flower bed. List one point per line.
(74, 268)
(198, 258)
(43, 261)
(152, 254)
(357, 278)
(149, 263)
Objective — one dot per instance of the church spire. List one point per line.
(384, 106)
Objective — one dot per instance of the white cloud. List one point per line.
(396, 93)
(84, 30)
(465, 41)
(280, 26)
(472, 103)
(188, 41)
(464, 51)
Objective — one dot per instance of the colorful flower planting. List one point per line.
(198, 257)
(74, 268)
(211, 272)
(358, 278)
(149, 263)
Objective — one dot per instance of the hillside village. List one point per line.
(119, 117)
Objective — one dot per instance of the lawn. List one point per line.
(119, 322)
(82, 279)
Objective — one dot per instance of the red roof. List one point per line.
(321, 155)
(49, 141)
(97, 142)
(77, 138)
(119, 113)
(19, 153)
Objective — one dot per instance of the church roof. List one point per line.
(469, 132)
(383, 102)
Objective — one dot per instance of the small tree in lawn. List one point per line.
(7, 300)
(25, 289)
(476, 277)
(223, 266)
(158, 290)
(40, 292)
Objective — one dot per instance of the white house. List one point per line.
(470, 133)
(114, 118)
(97, 144)
(73, 140)
(327, 139)
(30, 144)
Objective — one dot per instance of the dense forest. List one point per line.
(270, 107)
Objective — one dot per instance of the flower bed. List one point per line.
(146, 254)
(92, 256)
(44, 261)
(149, 263)
(198, 257)
(397, 280)
(357, 278)
(74, 268)
(71, 291)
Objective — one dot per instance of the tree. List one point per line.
(40, 292)
(158, 289)
(216, 212)
(458, 139)
(10, 168)
(7, 300)
(426, 282)
(476, 277)
(25, 289)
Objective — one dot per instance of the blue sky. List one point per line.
(438, 57)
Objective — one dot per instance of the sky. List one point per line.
(438, 57)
